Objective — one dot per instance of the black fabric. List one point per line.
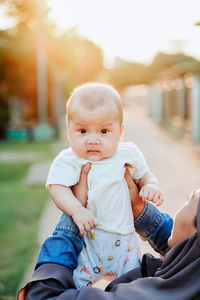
(176, 277)
(149, 266)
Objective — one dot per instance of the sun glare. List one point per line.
(5, 22)
(133, 30)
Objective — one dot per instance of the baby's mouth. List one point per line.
(93, 151)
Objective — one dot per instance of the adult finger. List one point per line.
(84, 172)
(128, 178)
(80, 190)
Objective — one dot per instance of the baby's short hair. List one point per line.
(92, 95)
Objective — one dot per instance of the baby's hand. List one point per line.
(153, 193)
(84, 219)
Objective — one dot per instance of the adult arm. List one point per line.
(153, 225)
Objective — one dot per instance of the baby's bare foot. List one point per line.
(185, 220)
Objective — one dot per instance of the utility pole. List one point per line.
(43, 131)
(41, 67)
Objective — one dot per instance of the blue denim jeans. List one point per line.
(155, 227)
(65, 244)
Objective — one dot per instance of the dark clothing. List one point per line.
(175, 277)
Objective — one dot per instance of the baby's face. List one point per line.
(95, 134)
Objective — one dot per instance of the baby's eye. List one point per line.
(82, 131)
(104, 131)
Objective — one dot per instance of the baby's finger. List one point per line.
(160, 201)
(81, 228)
(96, 222)
(141, 193)
(87, 227)
(156, 198)
(91, 223)
(151, 197)
(144, 195)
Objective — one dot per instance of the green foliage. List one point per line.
(39, 146)
(164, 66)
(78, 60)
(126, 73)
(20, 209)
(71, 59)
(171, 66)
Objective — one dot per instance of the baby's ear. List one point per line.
(122, 131)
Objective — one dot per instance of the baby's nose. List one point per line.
(93, 140)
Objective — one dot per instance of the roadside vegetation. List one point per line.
(21, 207)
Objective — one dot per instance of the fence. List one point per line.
(174, 104)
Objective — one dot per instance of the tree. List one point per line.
(126, 73)
(73, 58)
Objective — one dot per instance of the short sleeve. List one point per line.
(64, 170)
(140, 165)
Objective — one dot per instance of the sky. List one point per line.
(134, 30)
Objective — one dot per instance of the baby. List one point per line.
(95, 130)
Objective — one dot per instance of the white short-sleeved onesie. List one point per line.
(111, 248)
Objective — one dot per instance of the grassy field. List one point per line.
(21, 207)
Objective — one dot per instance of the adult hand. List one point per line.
(136, 201)
(80, 190)
(82, 217)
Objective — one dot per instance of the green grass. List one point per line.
(26, 146)
(39, 151)
(21, 207)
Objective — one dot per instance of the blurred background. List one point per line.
(148, 50)
(49, 47)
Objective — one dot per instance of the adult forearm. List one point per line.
(50, 282)
(154, 226)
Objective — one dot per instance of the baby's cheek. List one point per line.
(78, 149)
